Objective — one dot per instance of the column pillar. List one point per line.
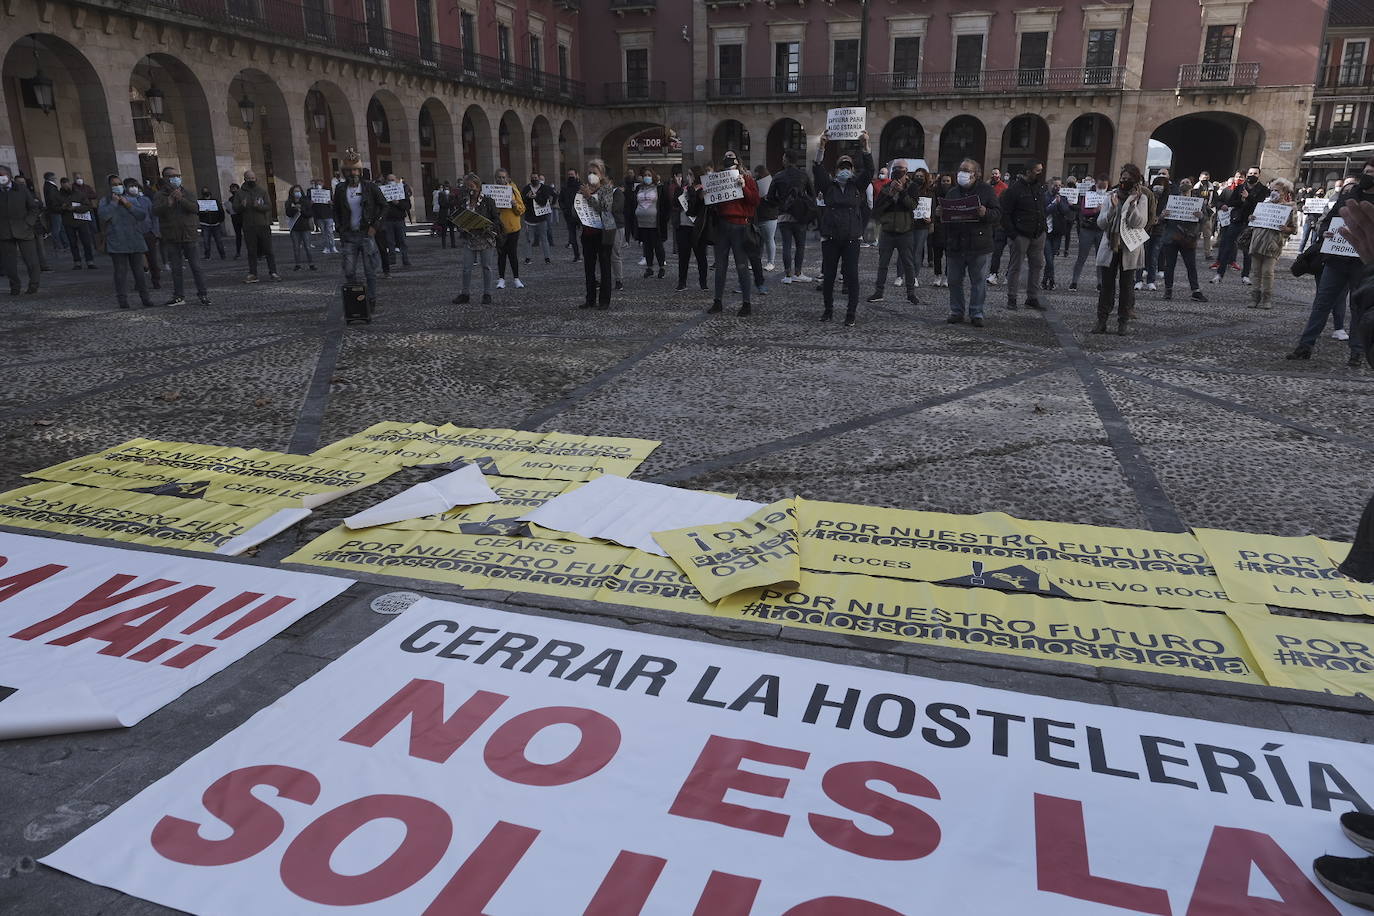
(1054, 153)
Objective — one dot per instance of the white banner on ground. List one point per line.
(846, 123)
(394, 191)
(585, 214)
(1184, 209)
(503, 195)
(1271, 216)
(321, 196)
(718, 187)
(98, 637)
(466, 760)
(1338, 244)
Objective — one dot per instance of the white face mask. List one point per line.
(965, 179)
(4, 181)
(1273, 196)
(80, 182)
(593, 180)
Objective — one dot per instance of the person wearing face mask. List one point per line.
(1123, 221)
(1267, 244)
(685, 199)
(235, 219)
(606, 203)
(651, 220)
(1023, 222)
(572, 186)
(1179, 238)
(211, 224)
(478, 243)
(842, 222)
(20, 212)
(1240, 199)
(1207, 227)
(358, 207)
(52, 211)
(793, 197)
(936, 246)
(297, 213)
(322, 216)
(1340, 275)
(79, 202)
(446, 207)
(508, 251)
(255, 207)
(969, 241)
(893, 210)
(539, 203)
(730, 221)
(180, 218)
(1058, 218)
(1145, 277)
(1089, 236)
(122, 215)
(391, 233)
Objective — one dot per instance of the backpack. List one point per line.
(796, 204)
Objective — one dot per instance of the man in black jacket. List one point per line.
(52, 205)
(1023, 220)
(1242, 199)
(968, 240)
(842, 222)
(572, 186)
(795, 199)
(19, 214)
(358, 209)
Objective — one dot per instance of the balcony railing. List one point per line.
(1340, 136)
(1222, 76)
(636, 92)
(307, 22)
(1346, 77)
(1082, 79)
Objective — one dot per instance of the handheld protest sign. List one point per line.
(585, 214)
(1183, 209)
(1271, 216)
(205, 206)
(500, 193)
(393, 192)
(846, 123)
(319, 195)
(721, 186)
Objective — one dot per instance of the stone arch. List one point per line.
(902, 138)
(613, 144)
(476, 140)
(438, 158)
(569, 149)
(389, 148)
(731, 135)
(963, 137)
(1220, 142)
(1025, 139)
(511, 144)
(340, 129)
(267, 144)
(76, 136)
(786, 135)
(1088, 146)
(178, 137)
(543, 153)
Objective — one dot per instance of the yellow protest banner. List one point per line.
(733, 556)
(1310, 654)
(595, 572)
(224, 474)
(119, 515)
(1189, 643)
(994, 550)
(506, 452)
(1285, 571)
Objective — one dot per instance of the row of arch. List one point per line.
(177, 114)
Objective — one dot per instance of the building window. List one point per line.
(503, 49)
(375, 15)
(563, 68)
(468, 24)
(424, 21)
(1082, 135)
(846, 65)
(1216, 53)
(1343, 115)
(316, 18)
(636, 73)
(906, 62)
(968, 61)
(536, 53)
(730, 69)
(1101, 57)
(1035, 48)
(1019, 133)
(1352, 63)
(787, 66)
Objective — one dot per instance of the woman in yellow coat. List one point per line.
(509, 249)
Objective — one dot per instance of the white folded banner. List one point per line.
(462, 760)
(464, 487)
(629, 511)
(98, 637)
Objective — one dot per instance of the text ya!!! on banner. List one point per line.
(465, 760)
(98, 637)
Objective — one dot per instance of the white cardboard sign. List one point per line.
(922, 210)
(394, 191)
(1184, 209)
(321, 196)
(1338, 244)
(208, 206)
(1271, 216)
(96, 637)
(1070, 193)
(1093, 200)
(719, 187)
(501, 194)
(846, 123)
(1317, 205)
(467, 760)
(585, 214)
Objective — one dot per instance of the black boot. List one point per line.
(716, 307)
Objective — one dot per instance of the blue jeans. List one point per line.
(959, 264)
(1337, 282)
(1309, 226)
(793, 247)
(730, 239)
(1051, 248)
(1148, 273)
(918, 249)
(1226, 250)
(355, 246)
(541, 234)
(59, 237)
(393, 233)
(1088, 242)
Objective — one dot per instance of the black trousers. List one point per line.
(508, 251)
(1119, 284)
(259, 240)
(652, 243)
(844, 254)
(596, 252)
(685, 251)
(11, 251)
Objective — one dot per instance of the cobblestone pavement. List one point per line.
(1194, 418)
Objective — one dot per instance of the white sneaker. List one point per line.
(898, 281)
(642, 262)
(992, 279)
(1216, 278)
(1245, 280)
(786, 278)
(1339, 334)
(501, 283)
(1151, 286)
(769, 266)
(518, 284)
(915, 283)
(1139, 285)
(801, 278)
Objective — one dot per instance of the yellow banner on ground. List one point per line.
(1288, 572)
(1310, 654)
(994, 550)
(219, 473)
(506, 452)
(1189, 643)
(118, 515)
(732, 556)
(595, 572)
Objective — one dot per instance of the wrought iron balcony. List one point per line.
(1346, 78)
(636, 92)
(1339, 136)
(1229, 75)
(985, 82)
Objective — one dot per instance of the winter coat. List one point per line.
(510, 216)
(52, 197)
(1136, 215)
(209, 218)
(1269, 242)
(297, 213)
(793, 196)
(1023, 209)
(19, 212)
(78, 200)
(374, 204)
(973, 238)
(740, 210)
(544, 197)
(661, 209)
(486, 207)
(1059, 213)
(571, 188)
(180, 218)
(608, 201)
(767, 210)
(123, 225)
(254, 204)
(399, 209)
(892, 209)
(846, 204)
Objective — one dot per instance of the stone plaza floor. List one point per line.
(1194, 418)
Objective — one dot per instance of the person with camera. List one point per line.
(1124, 219)
(123, 214)
(358, 209)
(180, 219)
(894, 211)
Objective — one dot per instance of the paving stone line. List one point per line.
(305, 438)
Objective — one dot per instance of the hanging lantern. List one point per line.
(247, 111)
(42, 91)
(156, 102)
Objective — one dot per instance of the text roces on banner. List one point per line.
(466, 760)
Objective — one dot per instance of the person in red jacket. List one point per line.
(733, 219)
